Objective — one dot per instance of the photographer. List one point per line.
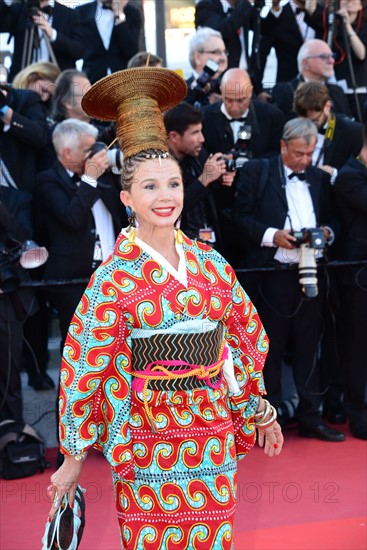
(23, 135)
(16, 304)
(200, 171)
(55, 29)
(78, 213)
(208, 59)
(275, 199)
(247, 129)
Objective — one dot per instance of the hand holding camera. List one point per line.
(97, 161)
(213, 169)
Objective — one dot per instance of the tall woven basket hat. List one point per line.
(135, 99)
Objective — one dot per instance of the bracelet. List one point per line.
(260, 415)
(80, 457)
(352, 34)
(267, 417)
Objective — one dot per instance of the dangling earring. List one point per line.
(179, 234)
(133, 224)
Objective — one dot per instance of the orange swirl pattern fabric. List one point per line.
(175, 488)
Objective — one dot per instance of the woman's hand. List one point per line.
(64, 480)
(271, 439)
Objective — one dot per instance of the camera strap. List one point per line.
(329, 135)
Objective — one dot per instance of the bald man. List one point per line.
(223, 120)
(237, 112)
(316, 63)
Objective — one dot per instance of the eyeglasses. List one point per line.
(215, 52)
(323, 56)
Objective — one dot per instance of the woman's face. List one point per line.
(156, 194)
(44, 87)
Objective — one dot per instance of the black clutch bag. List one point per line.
(66, 528)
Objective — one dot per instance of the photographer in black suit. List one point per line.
(200, 172)
(23, 135)
(16, 304)
(276, 198)
(110, 32)
(78, 213)
(56, 28)
(351, 199)
(247, 129)
(337, 137)
(208, 59)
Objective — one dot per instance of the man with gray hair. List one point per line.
(208, 59)
(276, 199)
(79, 213)
(315, 62)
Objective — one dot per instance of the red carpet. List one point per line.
(312, 497)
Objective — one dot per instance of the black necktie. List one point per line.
(301, 176)
(75, 178)
(48, 10)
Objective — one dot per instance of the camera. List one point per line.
(309, 240)
(242, 152)
(230, 164)
(115, 156)
(205, 84)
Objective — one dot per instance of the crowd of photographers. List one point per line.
(275, 178)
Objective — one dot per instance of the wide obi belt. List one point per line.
(178, 361)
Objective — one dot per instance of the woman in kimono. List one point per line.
(162, 366)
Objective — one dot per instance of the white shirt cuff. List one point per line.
(333, 177)
(268, 237)
(53, 35)
(88, 180)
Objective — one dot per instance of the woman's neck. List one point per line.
(163, 241)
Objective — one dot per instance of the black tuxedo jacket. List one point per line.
(123, 45)
(68, 46)
(283, 95)
(283, 34)
(350, 192)
(64, 221)
(199, 205)
(347, 140)
(209, 13)
(256, 210)
(16, 223)
(27, 136)
(265, 120)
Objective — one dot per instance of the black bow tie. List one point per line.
(48, 10)
(300, 10)
(105, 7)
(242, 119)
(75, 178)
(301, 176)
(321, 131)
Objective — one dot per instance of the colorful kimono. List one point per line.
(173, 448)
